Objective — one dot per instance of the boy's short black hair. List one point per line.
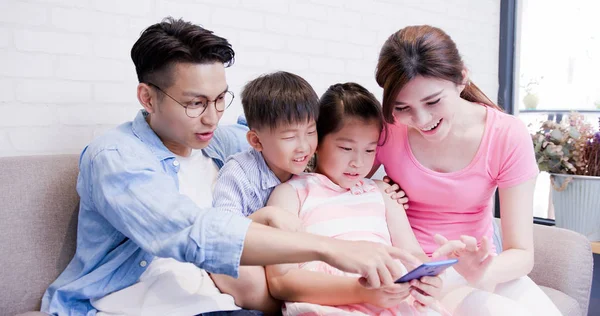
(279, 98)
(171, 41)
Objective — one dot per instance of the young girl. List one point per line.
(338, 201)
(450, 148)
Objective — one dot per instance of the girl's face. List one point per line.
(347, 155)
(428, 106)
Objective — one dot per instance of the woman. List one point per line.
(450, 147)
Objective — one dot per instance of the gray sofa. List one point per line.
(38, 205)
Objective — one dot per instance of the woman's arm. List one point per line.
(516, 209)
(400, 231)
(485, 270)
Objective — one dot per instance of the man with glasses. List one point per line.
(146, 221)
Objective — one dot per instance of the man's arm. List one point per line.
(142, 201)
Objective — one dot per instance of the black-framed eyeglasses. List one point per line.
(198, 105)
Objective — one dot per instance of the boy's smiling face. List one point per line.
(287, 148)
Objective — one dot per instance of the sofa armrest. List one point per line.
(564, 262)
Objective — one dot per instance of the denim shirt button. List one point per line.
(143, 263)
(175, 163)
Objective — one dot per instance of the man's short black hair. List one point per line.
(279, 98)
(171, 41)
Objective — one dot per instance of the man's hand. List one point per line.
(396, 192)
(374, 262)
(278, 218)
(473, 260)
(386, 296)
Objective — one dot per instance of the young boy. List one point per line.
(281, 111)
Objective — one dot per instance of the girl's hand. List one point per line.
(426, 291)
(396, 192)
(386, 296)
(473, 260)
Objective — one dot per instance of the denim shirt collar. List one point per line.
(144, 132)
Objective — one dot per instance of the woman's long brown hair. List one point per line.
(426, 51)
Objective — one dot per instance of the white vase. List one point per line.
(576, 202)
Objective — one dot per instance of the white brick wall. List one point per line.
(66, 75)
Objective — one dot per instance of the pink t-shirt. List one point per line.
(460, 202)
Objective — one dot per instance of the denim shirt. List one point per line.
(131, 211)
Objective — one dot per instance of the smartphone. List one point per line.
(427, 269)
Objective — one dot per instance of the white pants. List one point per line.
(517, 297)
(167, 287)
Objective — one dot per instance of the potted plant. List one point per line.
(531, 98)
(570, 152)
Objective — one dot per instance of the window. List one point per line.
(557, 69)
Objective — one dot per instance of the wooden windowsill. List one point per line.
(596, 247)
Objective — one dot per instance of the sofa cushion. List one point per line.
(566, 304)
(38, 226)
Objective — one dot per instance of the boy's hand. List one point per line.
(386, 296)
(278, 218)
(285, 220)
(396, 192)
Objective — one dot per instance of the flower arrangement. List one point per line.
(570, 147)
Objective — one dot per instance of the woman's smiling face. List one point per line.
(427, 105)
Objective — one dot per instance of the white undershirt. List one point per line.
(170, 287)
(197, 176)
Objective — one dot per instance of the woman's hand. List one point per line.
(396, 192)
(473, 260)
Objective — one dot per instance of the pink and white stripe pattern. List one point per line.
(358, 213)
